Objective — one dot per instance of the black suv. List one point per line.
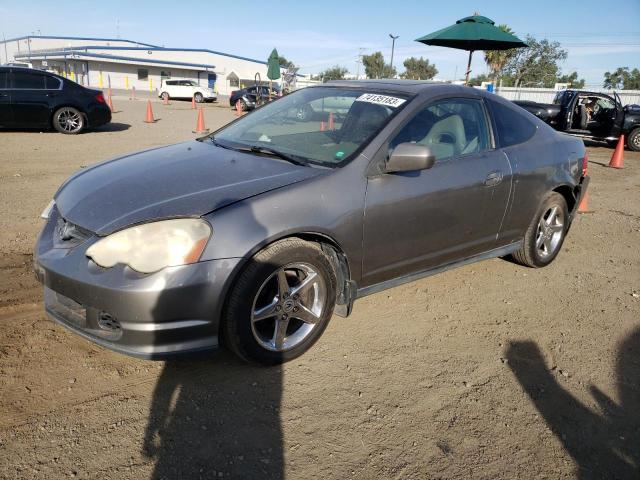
(253, 96)
(35, 99)
(590, 115)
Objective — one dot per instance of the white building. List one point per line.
(118, 63)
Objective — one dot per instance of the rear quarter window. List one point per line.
(52, 83)
(512, 126)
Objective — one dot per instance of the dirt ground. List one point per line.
(490, 371)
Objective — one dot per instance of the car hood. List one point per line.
(184, 180)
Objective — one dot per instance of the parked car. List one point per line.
(255, 235)
(590, 115)
(186, 89)
(251, 97)
(36, 99)
(18, 64)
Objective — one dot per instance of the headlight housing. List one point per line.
(150, 247)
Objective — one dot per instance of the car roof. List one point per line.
(407, 86)
(411, 87)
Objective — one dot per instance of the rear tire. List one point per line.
(68, 120)
(546, 233)
(281, 303)
(199, 98)
(633, 140)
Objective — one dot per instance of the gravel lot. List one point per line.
(487, 371)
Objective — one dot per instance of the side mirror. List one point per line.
(409, 157)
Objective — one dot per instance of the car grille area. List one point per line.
(78, 317)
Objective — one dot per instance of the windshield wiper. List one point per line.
(259, 149)
(275, 153)
(218, 144)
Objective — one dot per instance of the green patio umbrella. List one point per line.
(273, 65)
(473, 33)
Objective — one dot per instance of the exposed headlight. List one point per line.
(46, 213)
(150, 247)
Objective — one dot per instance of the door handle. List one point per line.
(494, 178)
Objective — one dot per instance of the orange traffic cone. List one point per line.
(322, 126)
(149, 118)
(584, 204)
(193, 102)
(110, 103)
(200, 123)
(330, 120)
(617, 159)
(238, 108)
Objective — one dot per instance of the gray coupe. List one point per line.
(255, 235)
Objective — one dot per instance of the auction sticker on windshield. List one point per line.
(381, 99)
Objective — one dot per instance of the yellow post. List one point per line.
(126, 82)
(150, 84)
(100, 80)
(73, 76)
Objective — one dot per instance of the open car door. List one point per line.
(616, 128)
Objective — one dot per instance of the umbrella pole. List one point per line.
(466, 80)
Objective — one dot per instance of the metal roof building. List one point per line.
(120, 63)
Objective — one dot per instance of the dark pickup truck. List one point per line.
(590, 115)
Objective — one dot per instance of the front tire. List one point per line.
(633, 140)
(546, 233)
(68, 120)
(165, 96)
(281, 303)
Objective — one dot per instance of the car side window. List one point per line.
(450, 128)
(512, 126)
(52, 83)
(27, 80)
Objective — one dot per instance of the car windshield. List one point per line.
(320, 125)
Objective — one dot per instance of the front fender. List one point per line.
(329, 206)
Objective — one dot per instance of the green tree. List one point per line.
(419, 69)
(497, 59)
(622, 78)
(285, 63)
(536, 64)
(374, 66)
(477, 80)
(336, 72)
(572, 80)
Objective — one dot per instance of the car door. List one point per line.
(29, 99)
(6, 115)
(419, 220)
(603, 118)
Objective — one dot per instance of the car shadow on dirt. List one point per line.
(214, 416)
(604, 444)
(112, 127)
(216, 419)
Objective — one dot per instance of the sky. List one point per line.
(598, 36)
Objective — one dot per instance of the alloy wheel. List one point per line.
(288, 306)
(550, 231)
(69, 120)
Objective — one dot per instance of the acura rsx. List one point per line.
(255, 235)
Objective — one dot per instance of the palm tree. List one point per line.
(497, 59)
